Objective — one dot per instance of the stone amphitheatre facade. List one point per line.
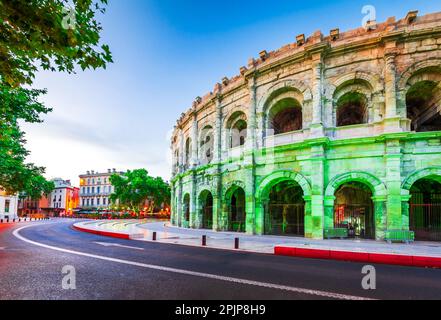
(335, 135)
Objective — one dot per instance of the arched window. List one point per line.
(237, 129)
(423, 100)
(352, 109)
(206, 151)
(286, 116)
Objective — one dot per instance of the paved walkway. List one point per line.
(165, 233)
(266, 244)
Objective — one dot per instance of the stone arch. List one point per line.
(403, 82)
(205, 209)
(417, 87)
(279, 176)
(229, 188)
(233, 113)
(206, 144)
(235, 212)
(235, 128)
(420, 174)
(375, 82)
(359, 88)
(283, 86)
(377, 187)
(186, 209)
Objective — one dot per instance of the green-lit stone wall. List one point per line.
(388, 165)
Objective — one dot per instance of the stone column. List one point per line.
(179, 211)
(314, 225)
(218, 224)
(252, 117)
(173, 205)
(194, 141)
(181, 160)
(317, 92)
(405, 211)
(260, 216)
(380, 217)
(218, 131)
(390, 84)
(392, 118)
(393, 184)
(194, 214)
(329, 205)
(249, 159)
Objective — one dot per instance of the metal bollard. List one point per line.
(154, 236)
(204, 240)
(1, 220)
(236, 243)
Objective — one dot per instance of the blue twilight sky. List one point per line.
(166, 53)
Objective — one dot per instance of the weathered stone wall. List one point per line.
(381, 65)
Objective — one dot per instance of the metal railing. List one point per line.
(425, 221)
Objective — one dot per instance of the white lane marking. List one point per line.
(107, 244)
(324, 294)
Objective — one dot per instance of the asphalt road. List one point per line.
(32, 260)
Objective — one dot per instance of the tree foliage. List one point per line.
(49, 34)
(134, 188)
(39, 34)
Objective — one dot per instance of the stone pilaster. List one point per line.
(252, 115)
(392, 119)
(393, 184)
(380, 217)
(329, 207)
(217, 203)
(194, 141)
(181, 160)
(314, 225)
(180, 204)
(390, 84)
(317, 129)
(217, 152)
(194, 214)
(405, 211)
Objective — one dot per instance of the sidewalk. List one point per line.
(266, 244)
(422, 254)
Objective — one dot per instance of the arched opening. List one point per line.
(239, 133)
(188, 151)
(206, 204)
(186, 210)
(425, 209)
(285, 210)
(352, 109)
(286, 116)
(237, 129)
(354, 210)
(423, 101)
(206, 146)
(237, 212)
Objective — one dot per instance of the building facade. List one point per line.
(8, 206)
(28, 207)
(334, 135)
(96, 189)
(62, 201)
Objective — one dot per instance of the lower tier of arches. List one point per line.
(353, 205)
